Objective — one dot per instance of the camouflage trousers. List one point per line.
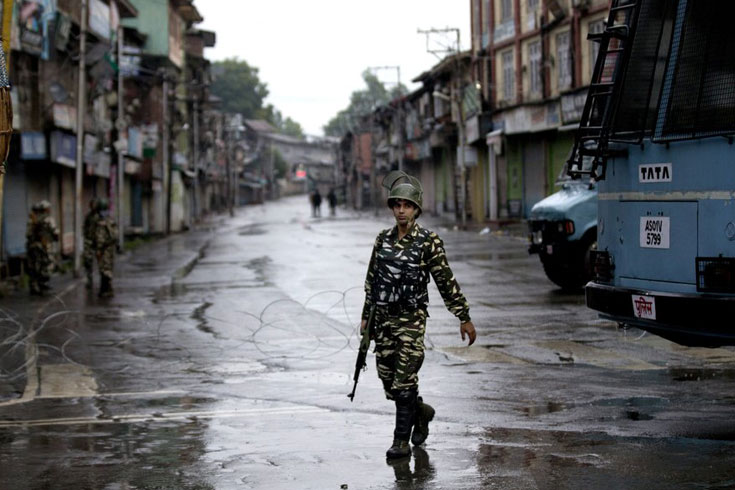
(39, 267)
(399, 349)
(88, 257)
(106, 262)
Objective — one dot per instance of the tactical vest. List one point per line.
(399, 278)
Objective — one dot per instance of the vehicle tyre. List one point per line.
(572, 276)
(566, 276)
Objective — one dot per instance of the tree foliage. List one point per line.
(362, 102)
(238, 85)
(242, 92)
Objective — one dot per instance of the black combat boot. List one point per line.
(405, 410)
(105, 288)
(424, 415)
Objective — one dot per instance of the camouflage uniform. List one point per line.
(90, 222)
(41, 233)
(104, 244)
(397, 279)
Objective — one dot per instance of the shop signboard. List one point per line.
(532, 119)
(135, 142)
(30, 26)
(65, 116)
(132, 167)
(99, 18)
(33, 146)
(90, 148)
(64, 148)
(572, 106)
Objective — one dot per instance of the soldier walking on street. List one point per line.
(90, 223)
(402, 260)
(105, 241)
(41, 233)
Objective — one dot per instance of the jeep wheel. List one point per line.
(572, 276)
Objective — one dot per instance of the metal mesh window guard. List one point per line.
(637, 107)
(701, 101)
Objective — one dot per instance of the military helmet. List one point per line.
(402, 186)
(102, 204)
(42, 206)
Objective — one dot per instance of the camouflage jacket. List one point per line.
(105, 233)
(399, 272)
(90, 222)
(41, 232)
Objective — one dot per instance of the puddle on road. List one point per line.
(638, 402)
(143, 455)
(635, 408)
(521, 458)
(250, 230)
(544, 408)
(701, 374)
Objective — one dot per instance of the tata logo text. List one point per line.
(654, 172)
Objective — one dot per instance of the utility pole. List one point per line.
(166, 164)
(81, 110)
(457, 96)
(195, 127)
(120, 126)
(228, 163)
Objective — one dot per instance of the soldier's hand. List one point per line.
(468, 328)
(363, 326)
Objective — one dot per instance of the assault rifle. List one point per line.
(360, 363)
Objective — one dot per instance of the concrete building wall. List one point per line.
(153, 21)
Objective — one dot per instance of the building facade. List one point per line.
(533, 63)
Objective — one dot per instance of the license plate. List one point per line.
(654, 232)
(644, 307)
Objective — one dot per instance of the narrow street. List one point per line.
(225, 357)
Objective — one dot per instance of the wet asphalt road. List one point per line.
(224, 360)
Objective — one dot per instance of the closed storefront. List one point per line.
(534, 171)
(559, 148)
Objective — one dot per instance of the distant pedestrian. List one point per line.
(317, 202)
(105, 241)
(332, 199)
(41, 233)
(89, 235)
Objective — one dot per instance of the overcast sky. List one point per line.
(311, 54)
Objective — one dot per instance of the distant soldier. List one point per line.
(41, 234)
(90, 223)
(317, 202)
(105, 241)
(332, 199)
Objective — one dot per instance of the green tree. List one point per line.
(362, 102)
(292, 128)
(286, 126)
(242, 92)
(238, 85)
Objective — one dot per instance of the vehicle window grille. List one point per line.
(701, 99)
(635, 116)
